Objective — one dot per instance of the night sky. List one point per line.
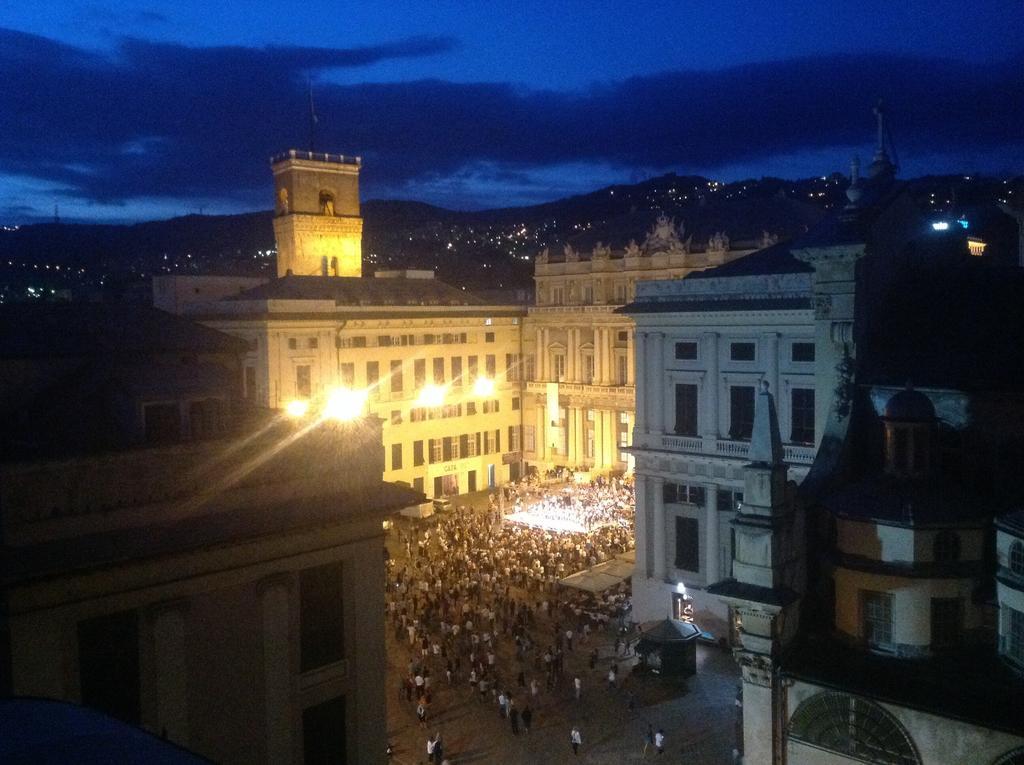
(133, 110)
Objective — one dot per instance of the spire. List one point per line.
(856, 189)
(765, 440)
(881, 164)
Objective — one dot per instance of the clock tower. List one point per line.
(317, 223)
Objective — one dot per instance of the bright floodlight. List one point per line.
(296, 408)
(432, 395)
(483, 386)
(345, 404)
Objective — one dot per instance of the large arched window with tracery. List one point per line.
(853, 727)
(1017, 557)
(1015, 757)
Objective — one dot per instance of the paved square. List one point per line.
(698, 715)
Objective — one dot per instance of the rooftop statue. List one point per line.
(719, 242)
(632, 249)
(601, 252)
(571, 256)
(663, 236)
(542, 256)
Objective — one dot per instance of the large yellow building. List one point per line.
(440, 367)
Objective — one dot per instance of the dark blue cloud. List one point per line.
(157, 120)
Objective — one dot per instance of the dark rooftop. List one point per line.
(96, 329)
(776, 259)
(737, 304)
(1012, 522)
(970, 684)
(958, 327)
(897, 501)
(368, 291)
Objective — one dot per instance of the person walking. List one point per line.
(659, 741)
(421, 713)
(576, 740)
(648, 739)
(578, 685)
(513, 717)
(527, 718)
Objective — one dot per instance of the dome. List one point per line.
(910, 406)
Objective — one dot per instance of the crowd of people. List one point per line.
(476, 602)
(583, 507)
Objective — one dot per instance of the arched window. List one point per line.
(326, 203)
(1017, 558)
(852, 727)
(1014, 757)
(946, 547)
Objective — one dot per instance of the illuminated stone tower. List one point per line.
(316, 214)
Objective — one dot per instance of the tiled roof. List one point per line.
(88, 329)
(347, 290)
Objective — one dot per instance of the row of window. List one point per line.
(450, 448)
(695, 494)
(559, 368)
(423, 413)
(388, 341)
(947, 619)
(801, 352)
(442, 371)
(741, 412)
(559, 292)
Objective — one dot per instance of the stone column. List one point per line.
(541, 438)
(658, 531)
(711, 385)
(656, 383)
(581, 436)
(570, 435)
(640, 376)
(630, 358)
(711, 562)
(274, 595)
(574, 355)
(611, 441)
(642, 493)
(170, 672)
(540, 352)
(770, 341)
(600, 354)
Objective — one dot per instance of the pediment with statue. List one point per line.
(665, 237)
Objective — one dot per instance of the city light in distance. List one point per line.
(483, 387)
(432, 395)
(344, 404)
(297, 408)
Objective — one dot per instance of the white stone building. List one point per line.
(872, 616)
(706, 342)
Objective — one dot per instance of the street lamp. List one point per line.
(297, 409)
(484, 386)
(432, 395)
(344, 404)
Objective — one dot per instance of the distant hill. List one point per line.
(479, 250)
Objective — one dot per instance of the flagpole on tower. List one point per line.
(312, 118)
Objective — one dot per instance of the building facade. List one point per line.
(441, 368)
(181, 561)
(858, 594)
(705, 344)
(580, 353)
